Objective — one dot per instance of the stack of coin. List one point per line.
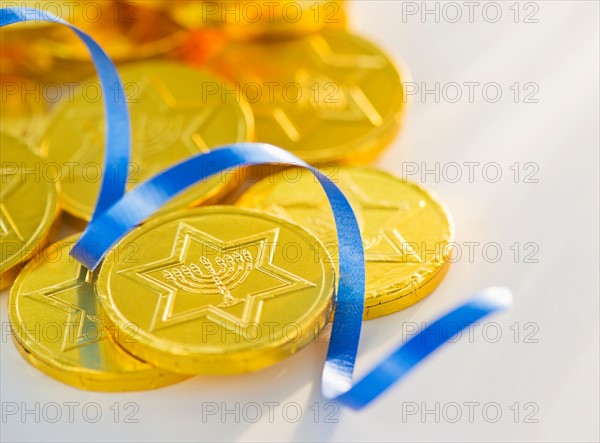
(127, 31)
(316, 89)
(227, 277)
(42, 63)
(203, 291)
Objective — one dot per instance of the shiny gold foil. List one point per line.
(59, 328)
(176, 112)
(217, 290)
(126, 30)
(406, 230)
(28, 206)
(329, 96)
(241, 20)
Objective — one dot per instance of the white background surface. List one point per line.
(558, 295)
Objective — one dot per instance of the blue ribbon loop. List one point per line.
(118, 212)
(139, 203)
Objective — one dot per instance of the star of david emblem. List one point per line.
(225, 282)
(8, 227)
(353, 103)
(382, 240)
(160, 123)
(75, 297)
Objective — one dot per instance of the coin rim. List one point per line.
(89, 382)
(391, 294)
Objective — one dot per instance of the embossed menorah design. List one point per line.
(232, 271)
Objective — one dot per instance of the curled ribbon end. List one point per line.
(336, 379)
(498, 297)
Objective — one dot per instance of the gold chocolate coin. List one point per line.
(28, 206)
(260, 19)
(406, 231)
(126, 30)
(217, 290)
(176, 112)
(329, 96)
(58, 328)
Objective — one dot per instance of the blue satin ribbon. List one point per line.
(117, 146)
(405, 358)
(112, 221)
(142, 201)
